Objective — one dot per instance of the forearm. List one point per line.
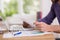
(56, 28)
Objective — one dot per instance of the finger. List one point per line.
(42, 29)
(38, 26)
(37, 22)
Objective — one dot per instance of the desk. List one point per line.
(43, 37)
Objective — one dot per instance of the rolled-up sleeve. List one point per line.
(50, 17)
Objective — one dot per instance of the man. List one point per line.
(44, 24)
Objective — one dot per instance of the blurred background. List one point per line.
(30, 7)
(17, 11)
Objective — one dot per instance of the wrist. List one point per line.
(55, 28)
(51, 28)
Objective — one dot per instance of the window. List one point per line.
(29, 6)
(10, 7)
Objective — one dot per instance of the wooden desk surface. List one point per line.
(43, 37)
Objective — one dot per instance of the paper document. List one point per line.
(23, 33)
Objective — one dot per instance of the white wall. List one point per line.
(46, 4)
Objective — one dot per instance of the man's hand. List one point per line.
(44, 27)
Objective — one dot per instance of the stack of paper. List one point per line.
(23, 33)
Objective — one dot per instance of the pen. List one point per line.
(17, 33)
